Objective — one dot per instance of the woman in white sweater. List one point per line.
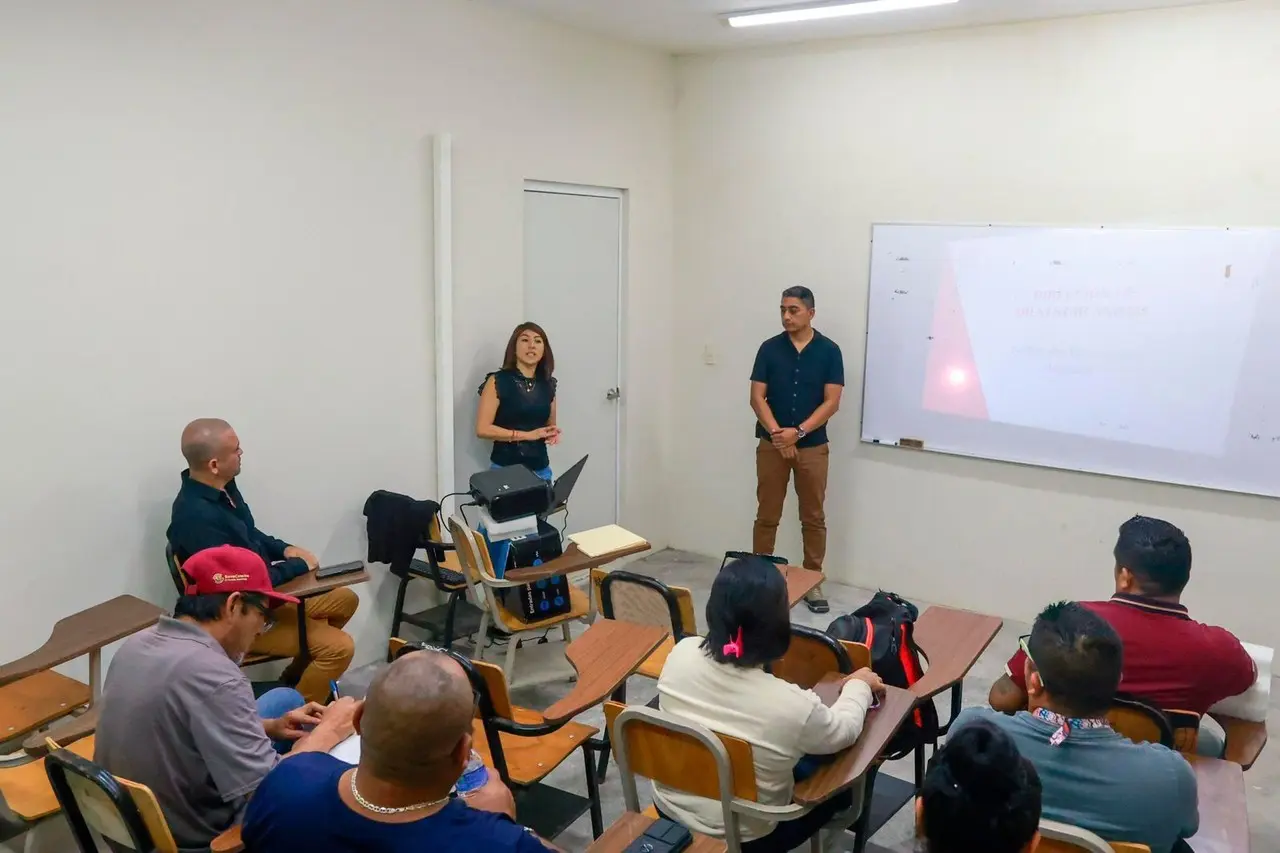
(720, 682)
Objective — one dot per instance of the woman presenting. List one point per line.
(518, 412)
(518, 403)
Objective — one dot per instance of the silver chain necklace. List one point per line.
(389, 809)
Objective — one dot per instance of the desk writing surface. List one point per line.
(308, 585)
(1224, 818)
(952, 641)
(1245, 739)
(572, 560)
(799, 582)
(604, 656)
(881, 725)
(83, 632)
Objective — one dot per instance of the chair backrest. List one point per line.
(1140, 722)
(859, 654)
(472, 551)
(1186, 730)
(644, 600)
(679, 755)
(1063, 838)
(436, 556)
(175, 568)
(94, 801)
(811, 655)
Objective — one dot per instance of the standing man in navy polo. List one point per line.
(796, 385)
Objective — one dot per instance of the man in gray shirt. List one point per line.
(1093, 777)
(178, 714)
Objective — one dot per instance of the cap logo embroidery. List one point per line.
(219, 577)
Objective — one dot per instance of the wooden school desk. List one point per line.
(1224, 818)
(800, 582)
(1245, 739)
(851, 764)
(572, 560)
(604, 655)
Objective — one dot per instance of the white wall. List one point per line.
(224, 209)
(785, 158)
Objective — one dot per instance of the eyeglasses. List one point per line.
(268, 620)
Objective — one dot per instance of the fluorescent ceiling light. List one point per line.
(826, 11)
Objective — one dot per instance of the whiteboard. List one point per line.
(1137, 352)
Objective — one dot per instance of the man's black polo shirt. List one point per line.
(205, 517)
(795, 381)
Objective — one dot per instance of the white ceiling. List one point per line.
(688, 26)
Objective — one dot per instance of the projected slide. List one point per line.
(1077, 331)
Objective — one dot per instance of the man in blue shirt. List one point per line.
(796, 384)
(1093, 777)
(415, 728)
(210, 511)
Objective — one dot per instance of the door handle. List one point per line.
(613, 394)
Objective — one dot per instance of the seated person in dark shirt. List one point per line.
(210, 511)
(415, 728)
(1170, 660)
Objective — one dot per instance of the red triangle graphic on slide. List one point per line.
(952, 385)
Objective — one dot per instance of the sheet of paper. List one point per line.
(348, 750)
(603, 540)
(1252, 704)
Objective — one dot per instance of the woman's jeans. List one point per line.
(500, 552)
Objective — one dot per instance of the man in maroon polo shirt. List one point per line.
(1170, 660)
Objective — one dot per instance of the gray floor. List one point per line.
(696, 573)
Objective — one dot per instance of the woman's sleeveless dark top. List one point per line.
(523, 405)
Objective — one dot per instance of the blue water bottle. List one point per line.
(474, 777)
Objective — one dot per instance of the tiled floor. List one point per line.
(696, 573)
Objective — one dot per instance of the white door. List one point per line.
(573, 255)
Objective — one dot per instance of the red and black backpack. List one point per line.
(886, 625)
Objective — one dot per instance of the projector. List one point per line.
(510, 493)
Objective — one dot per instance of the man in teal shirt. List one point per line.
(1093, 777)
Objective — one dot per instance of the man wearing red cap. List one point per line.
(210, 511)
(178, 714)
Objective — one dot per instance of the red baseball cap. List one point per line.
(228, 568)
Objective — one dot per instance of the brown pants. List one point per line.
(329, 648)
(773, 473)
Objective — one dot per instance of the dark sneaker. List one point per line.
(814, 600)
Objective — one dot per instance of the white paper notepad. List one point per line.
(348, 750)
(604, 540)
(1252, 704)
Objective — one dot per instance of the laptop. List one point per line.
(564, 485)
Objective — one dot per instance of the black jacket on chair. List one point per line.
(397, 526)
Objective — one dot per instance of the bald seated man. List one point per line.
(415, 730)
(210, 511)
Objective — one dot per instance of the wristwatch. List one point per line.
(801, 432)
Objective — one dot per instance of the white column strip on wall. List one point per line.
(442, 224)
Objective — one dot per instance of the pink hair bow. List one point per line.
(733, 648)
